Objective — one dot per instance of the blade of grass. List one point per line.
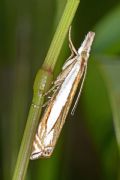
(111, 73)
(98, 117)
(42, 80)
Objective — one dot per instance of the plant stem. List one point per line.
(42, 81)
(61, 32)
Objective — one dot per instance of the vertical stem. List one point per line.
(60, 33)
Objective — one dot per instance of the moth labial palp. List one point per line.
(52, 121)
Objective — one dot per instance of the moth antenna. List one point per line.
(77, 99)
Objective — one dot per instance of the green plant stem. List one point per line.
(42, 81)
(61, 32)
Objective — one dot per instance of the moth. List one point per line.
(64, 88)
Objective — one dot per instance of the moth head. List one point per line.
(85, 54)
(45, 153)
(85, 47)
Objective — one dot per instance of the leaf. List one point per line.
(99, 116)
(108, 33)
(111, 74)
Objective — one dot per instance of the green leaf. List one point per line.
(99, 116)
(111, 74)
(108, 33)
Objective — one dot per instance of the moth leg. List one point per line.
(59, 80)
(52, 89)
(49, 91)
(74, 52)
(49, 98)
(61, 77)
(71, 46)
(46, 103)
(56, 83)
(68, 63)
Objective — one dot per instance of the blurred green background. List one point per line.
(89, 145)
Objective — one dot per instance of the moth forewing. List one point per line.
(54, 118)
(56, 111)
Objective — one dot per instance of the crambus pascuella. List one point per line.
(64, 89)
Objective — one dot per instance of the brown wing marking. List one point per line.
(61, 120)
